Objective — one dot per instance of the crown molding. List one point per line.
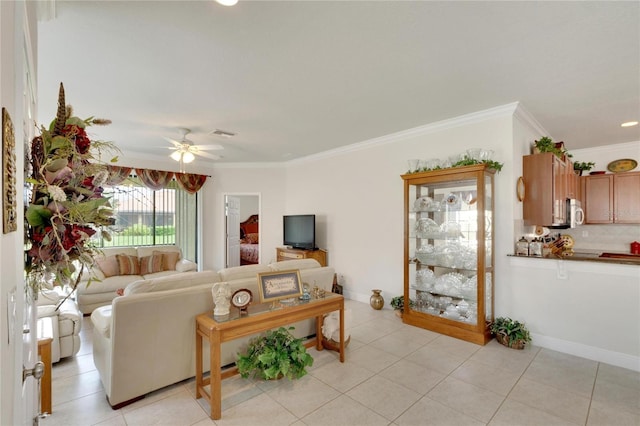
(438, 126)
(525, 117)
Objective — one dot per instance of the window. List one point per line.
(146, 217)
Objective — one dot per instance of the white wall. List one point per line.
(249, 205)
(357, 195)
(269, 183)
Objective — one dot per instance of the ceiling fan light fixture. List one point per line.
(188, 157)
(175, 155)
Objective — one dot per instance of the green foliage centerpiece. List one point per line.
(66, 206)
(273, 355)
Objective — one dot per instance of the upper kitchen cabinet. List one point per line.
(548, 182)
(612, 198)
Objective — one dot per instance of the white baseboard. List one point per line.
(618, 359)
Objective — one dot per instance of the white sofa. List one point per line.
(101, 290)
(145, 340)
(62, 323)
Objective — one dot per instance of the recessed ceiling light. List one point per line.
(629, 124)
(227, 2)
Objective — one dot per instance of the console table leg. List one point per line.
(342, 333)
(216, 376)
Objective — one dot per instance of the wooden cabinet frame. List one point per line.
(478, 215)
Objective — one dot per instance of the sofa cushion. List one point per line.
(245, 271)
(107, 285)
(151, 264)
(172, 282)
(108, 266)
(169, 259)
(129, 265)
(295, 264)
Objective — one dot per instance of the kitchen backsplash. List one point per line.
(606, 238)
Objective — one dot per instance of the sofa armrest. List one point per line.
(101, 319)
(48, 297)
(184, 265)
(47, 311)
(69, 310)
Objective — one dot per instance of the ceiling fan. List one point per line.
(184, 150)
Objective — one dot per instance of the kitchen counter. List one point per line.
(592, 256)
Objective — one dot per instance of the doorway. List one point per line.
(242, 233)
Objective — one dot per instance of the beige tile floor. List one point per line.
(394, 374)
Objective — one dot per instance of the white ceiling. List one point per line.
(297, 78)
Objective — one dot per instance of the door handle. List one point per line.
(37, 371)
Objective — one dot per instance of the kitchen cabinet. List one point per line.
(448, 251)
(548, 182)
(612, 198)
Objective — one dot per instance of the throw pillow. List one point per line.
(252, 238)
(129, 265)
(109, 266)
(169, 259)
(151, 264)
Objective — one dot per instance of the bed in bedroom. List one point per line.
(250, 240)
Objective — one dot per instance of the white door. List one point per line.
(233, 231)
(31, 367)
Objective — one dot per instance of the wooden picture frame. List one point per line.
(274, 286)
(9, 204)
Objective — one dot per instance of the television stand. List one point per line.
(283, 253)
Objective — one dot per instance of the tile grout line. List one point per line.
(593, 390)
(513, 387)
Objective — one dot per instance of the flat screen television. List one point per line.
(299, 231)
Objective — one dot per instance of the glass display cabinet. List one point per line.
(448, 251)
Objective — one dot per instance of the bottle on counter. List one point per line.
(522, 247)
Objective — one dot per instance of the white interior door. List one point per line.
(233, 230)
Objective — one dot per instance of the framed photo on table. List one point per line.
(274, 286)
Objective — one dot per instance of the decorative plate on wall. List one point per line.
(622, 165)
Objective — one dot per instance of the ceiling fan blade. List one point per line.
(207, 155)
(208, 147)
(174, 142)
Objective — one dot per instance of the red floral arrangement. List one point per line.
(67, 206)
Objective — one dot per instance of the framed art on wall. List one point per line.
(9, 206)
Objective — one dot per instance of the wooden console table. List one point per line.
(44, 350)
(261, 317)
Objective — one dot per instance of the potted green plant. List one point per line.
(510, 333)
(397, 303)
(546, 144)
(273, 355)
(580, 166)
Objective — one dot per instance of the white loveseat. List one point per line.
(102, 289)
(145, 340)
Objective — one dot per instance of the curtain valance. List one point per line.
(157, 179)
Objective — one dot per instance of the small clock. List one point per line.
(241, 299)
